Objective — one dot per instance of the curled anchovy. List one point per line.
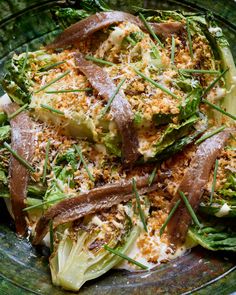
(193, 184)
(22, 141)
(95, 200)
(86, 27)
(120, 107)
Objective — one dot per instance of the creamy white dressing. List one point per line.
(224, 210)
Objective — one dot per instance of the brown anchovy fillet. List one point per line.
(22, 141)
(193, 184)
(84, 28)
(120, 107)
(95, 200)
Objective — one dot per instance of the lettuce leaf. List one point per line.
(214, 236)
(173, 133)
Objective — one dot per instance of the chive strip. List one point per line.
(152, 176)
(51, 66)
(118, 253)
(195, 71)
(17, 112)
(219, 109)
(156, 84)
(47, 107)
(25, 60)
(46, 161)
(150, 30)
(51, 236)
(78, 150)
(18, 157)
(141, 213)
(68, 90)
(53, 81)
(190, 209)
(169, 217)
(130, 40)
(98, 60)
(210, 134)
(190, 43)
(214, 82)
(214, 180)
(172, 59)
(103, 112)
(42, 203)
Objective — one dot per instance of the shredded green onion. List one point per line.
(150, 30)
(18, 157)
(214, 180)
(51, 66)
(141, 213)
(214, 82)
(172, 59)
(156, 84)
(47, 107)
(152, 176)
(46, 161)
(78, 150)
(53, 81)
(17, 112)
(219, 109)
(118, 253)
(130, 40)
(51, 236)
(42, 204)
(190, 209)
(103, 112)
(98, 60)
(210, 134)
(190, 43)
(68, 90)
(169, 216)
(195, 71)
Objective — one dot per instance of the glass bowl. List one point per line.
(22, 269)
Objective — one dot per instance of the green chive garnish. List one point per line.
(53, 81)
(219, 109)
(51, 66)
(68, 90)
(156, 84)
(210, 134)
(141, 213)
(152, 176)
(118, 253)
(214, 180)
(190, 209)
(169, 217)
(41, 204)
(47, 107)
(172, 60)
(103, 112)
(25, 60)
(190, 43)
(150, 30)
(214, 82)
(130, 40)
(51, 235)
(195, 71)
(78, 150)
(18, 157)
(46, 161)
(17, 112)
(98, 60)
